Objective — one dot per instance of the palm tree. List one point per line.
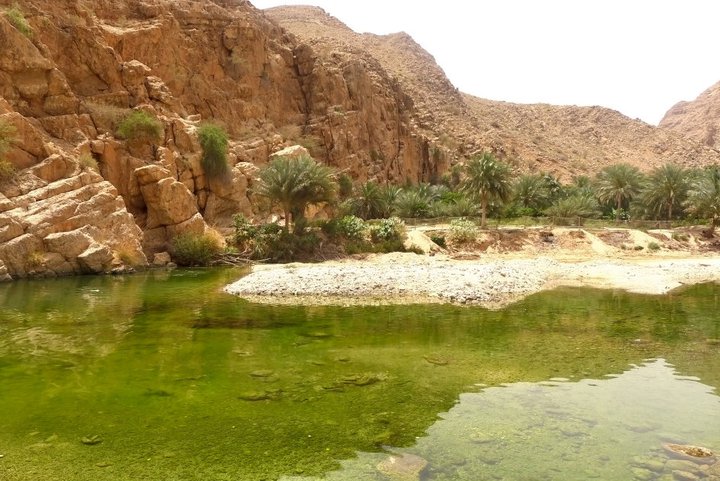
(389, 195)
(666, 189)
(531, 192)
(296, 183)
(703, 198)
(618, 184)
(367, 203)
(576, 205)
(412, 203)
(487, 179)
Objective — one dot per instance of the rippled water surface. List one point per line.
(164, 377)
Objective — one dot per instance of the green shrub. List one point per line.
(439, 240)
(194, 249)
(214, 143)
(7, 135)
(390, 245)
(330, 227)
(391, 229)
(680, 237)
(574, 206)
(270, 242)
(7, 170)
(106, 117)
(313, 144)
(35, 259)
(275, 244)
(87, 161)
(357, 247)
(17, 19)
(653, 246)
(345, 186)
(352, 228)
(245, 231)
(140, 126)
(463, 231)
(412, 204)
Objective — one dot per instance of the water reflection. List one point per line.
(591, 429)
(181, 381)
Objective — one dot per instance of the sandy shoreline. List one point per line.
(492, 282)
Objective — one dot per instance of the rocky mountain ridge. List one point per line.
(376, 107)
(698, 119)
(562, 140)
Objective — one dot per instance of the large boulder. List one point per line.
(66, 225)
(168, 201)
(96, 259)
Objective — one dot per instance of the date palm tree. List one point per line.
(295, 183)
(487, 179)
(618, 184)
(703, 198)
(666, 189)
(531, 192)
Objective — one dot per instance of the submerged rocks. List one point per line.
(696, 454)
(404, 467)
(677, 462)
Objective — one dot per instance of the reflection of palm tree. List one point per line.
(487, 179)
(618, 184)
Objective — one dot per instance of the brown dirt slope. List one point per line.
(564, 140)
(698, 120)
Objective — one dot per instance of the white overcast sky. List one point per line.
(636, 56)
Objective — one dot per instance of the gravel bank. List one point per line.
(408, 278)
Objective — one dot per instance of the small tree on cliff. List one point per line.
(140, 127)
(7, 135)
(487, 179)
(214, 142)
(293, 184)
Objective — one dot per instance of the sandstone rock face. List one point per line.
(698, 119)
(292, 152)
(76, 224)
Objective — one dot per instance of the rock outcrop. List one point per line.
(699, 119)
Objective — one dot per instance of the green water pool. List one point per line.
(162, 376)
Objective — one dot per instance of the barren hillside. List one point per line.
(699, 119)
(564, 140)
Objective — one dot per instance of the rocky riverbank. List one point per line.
(492, 283)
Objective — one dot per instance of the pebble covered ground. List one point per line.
(398, 278)
(457, 282)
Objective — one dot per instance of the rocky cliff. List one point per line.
(563, 140)
(699, 119)
(85, 200)
(87, 64)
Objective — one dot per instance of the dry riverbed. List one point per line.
(490, 282)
